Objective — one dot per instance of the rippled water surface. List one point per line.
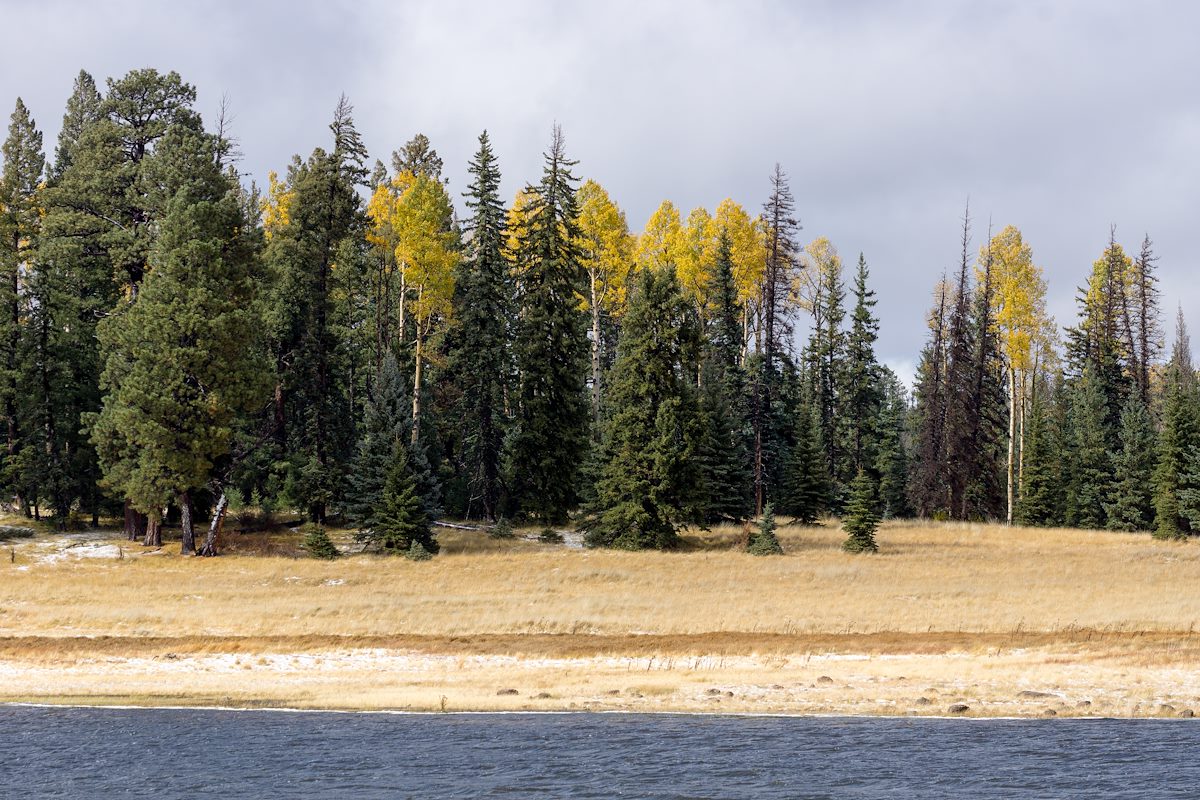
(95, 753)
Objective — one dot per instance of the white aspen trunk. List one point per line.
(1012, 436)
(416, 397)
(595, 346)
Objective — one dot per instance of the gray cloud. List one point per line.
(1058, 117)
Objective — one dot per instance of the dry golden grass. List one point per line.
(973, 612)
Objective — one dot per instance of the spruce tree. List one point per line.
(313, 409)
(401, 519)
(1178, 439)
(318, 544)
(861, 519)
(385, 425)
(860, 397)
(1131, 507)
(725, 458)
(927, 488)
(552, 426)
(478, 342)
(892, 461)
(1040, 501)
(648, 484)
(763, 541)
(1088, 453)
(806, 484)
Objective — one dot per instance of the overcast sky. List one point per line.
(1060, 117)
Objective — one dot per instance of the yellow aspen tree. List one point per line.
(747, 238)
(425, 248)
(1019, 311)
(608, 257)
(661, 243)
(276, 206)
(697, 257)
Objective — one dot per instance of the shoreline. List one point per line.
(1077, 675)
(580, 713)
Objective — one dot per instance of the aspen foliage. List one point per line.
(607, 248)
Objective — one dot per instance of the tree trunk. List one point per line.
(595, 348)
(153, 531)
(135, 523)
(1012, 436)
(187, 532)
(214, 527)
(416, 394)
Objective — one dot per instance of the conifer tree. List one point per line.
(182, 358)
(478, 342)
(725, 452)
(1041, 495)
(648, 485)
(1088, 453)
(806, 483)
(401, 521)
(827, 362)
(763, 541)
(927, 489)
(774, 306)
(1178, 439)
(312, 408)
(385, 425)
(860, 398)
(1131, 507)
(892, 461)
(551, 433)
(861, 519)
(20, 224)
(83, 109)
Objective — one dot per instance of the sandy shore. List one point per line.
(1032, 676)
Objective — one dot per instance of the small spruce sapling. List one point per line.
(861, 518)
(318, 544)
(763, 542)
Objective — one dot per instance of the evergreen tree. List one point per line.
(806, 484)
(1041, 495)
(827, 362)
(1088, 453)
(764, 542)
(83, 109)
(774, 307)
(724, 455)
(927, 490)
(418, 158)
(182, 358)
(312, 408)
(892, 463)
(861, 519)
(20, 224)
(860, 398)
(551, 435)
(478, 345)
(1132, 505)
(385, 425)
(401, 520)
(648, 486)
(318, 544)
(1175, 475)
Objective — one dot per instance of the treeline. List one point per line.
(346, 344)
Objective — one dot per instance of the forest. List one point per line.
(354, 341)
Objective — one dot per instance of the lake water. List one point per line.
(101, 753)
